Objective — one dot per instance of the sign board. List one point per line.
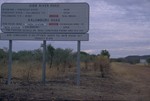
(52, 18)
(47, 37)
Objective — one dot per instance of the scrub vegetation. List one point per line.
(101, 79)
(27, 65)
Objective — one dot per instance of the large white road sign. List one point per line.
(53, 18)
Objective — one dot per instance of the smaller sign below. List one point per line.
(47, 37)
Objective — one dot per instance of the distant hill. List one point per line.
(133, 59)
(137, 57)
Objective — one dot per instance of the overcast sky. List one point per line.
(120, 26)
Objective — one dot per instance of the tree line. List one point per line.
(54, 56)
(60, 58)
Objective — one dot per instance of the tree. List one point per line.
(85, 57)
(37, 54)
(50, 50)
(63, 57)
(25, 55)
(103, 62)
(3, 56)
(105, 53)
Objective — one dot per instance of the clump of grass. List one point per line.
(32, 71)
(3, 70)
(102, 64)
(124, 70)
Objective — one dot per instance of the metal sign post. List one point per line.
(44, 63)
(10, 63)
(78, 63)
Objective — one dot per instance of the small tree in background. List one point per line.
(2, 54)
(85, 58)
(63, 58)
(50, 50)
(105, 53)
(102, 63)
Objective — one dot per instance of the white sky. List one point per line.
(120, 26)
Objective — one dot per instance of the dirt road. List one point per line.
(135, 78)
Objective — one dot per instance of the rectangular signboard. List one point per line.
(47, 37)
(49, 18)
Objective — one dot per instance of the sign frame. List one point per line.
(41, 36)
(75, 27)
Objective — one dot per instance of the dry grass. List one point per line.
(33, 71)
(123, 71)
(130, 72)
(136, 76)
(127, 82)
